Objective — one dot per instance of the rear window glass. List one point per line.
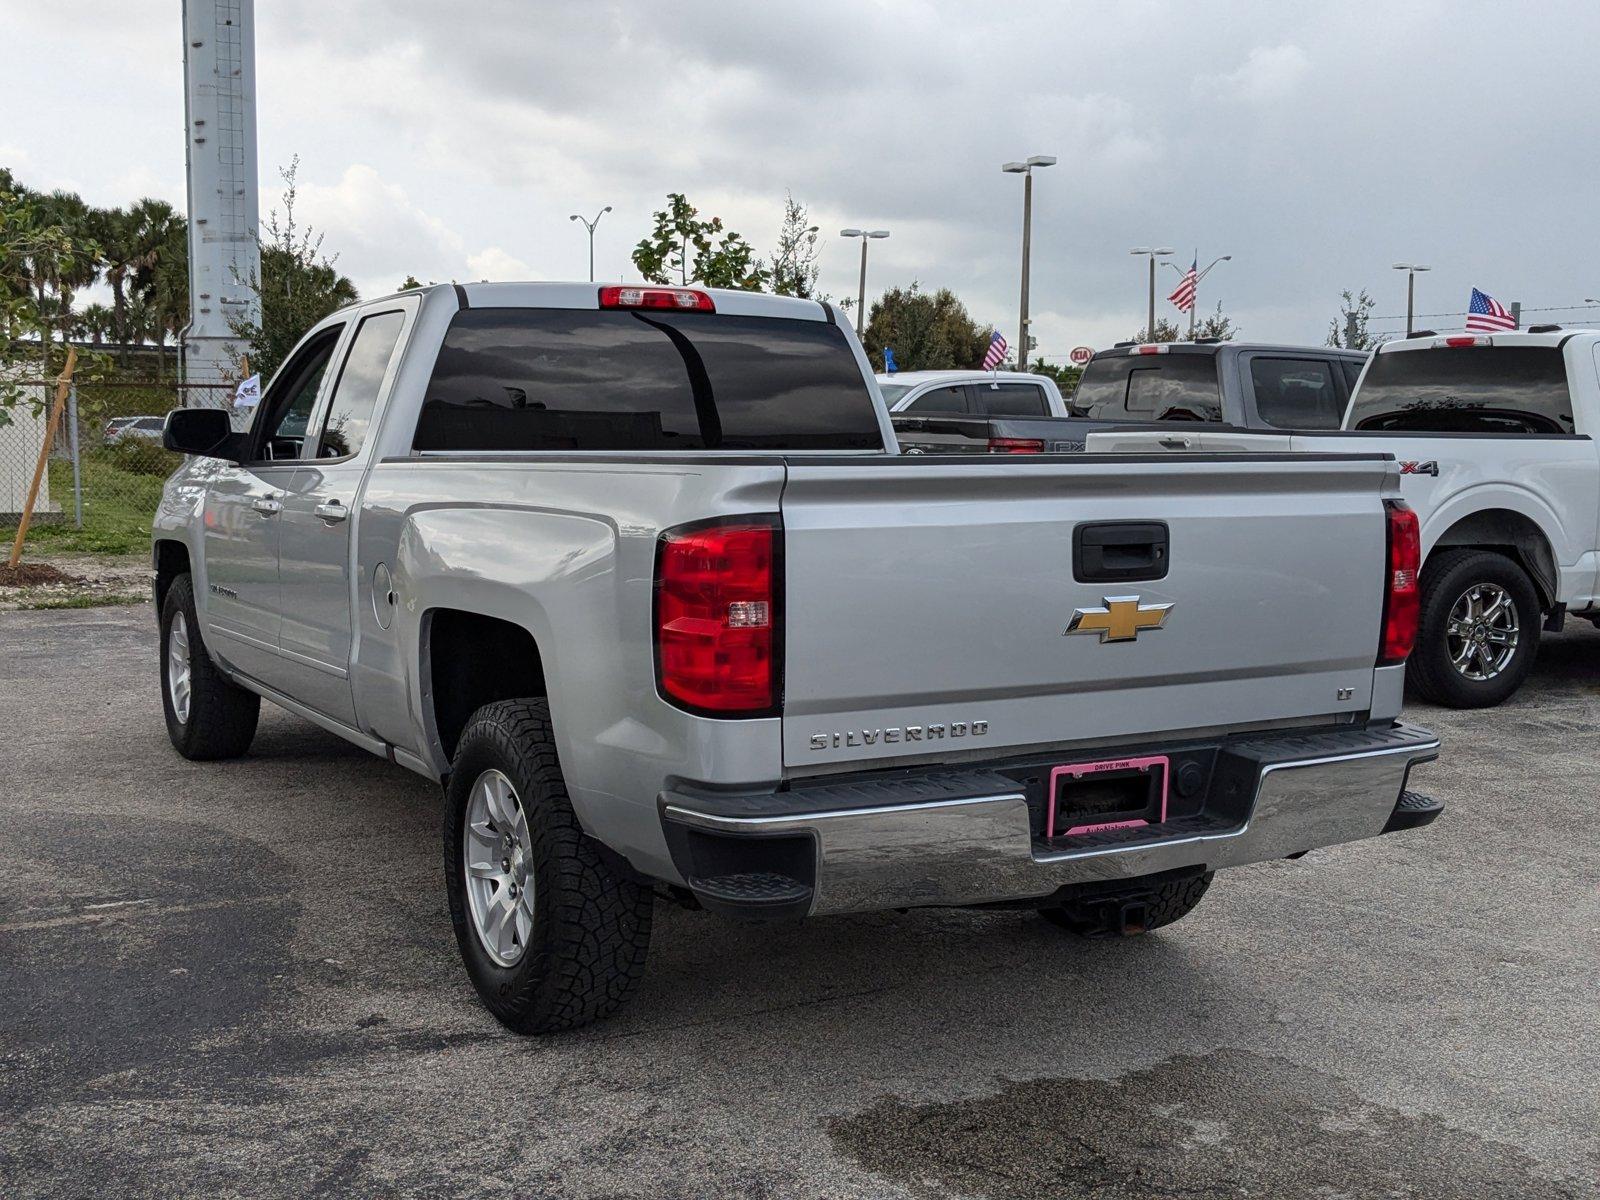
(566, 379)
(1151, 387)
(1011, 399)
(1493, 389)
(1296, 393)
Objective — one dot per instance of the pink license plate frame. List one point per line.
(1082, 770)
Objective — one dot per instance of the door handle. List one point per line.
(1120, 552)
(332, 510)
(1175, 443)
(267, 506)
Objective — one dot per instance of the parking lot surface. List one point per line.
(239, 979)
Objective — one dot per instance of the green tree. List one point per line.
(1349, 329)
(95, 323)
(40, 260)
(1066, 377)
(297, 286)
(145, 255)
(794, 266)
(1166, 331)
(1218, 326)
(696, 251)
(928, 331)
(411, 284)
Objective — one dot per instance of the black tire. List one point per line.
(590, 930)
(1446, 578)
(1100, 916)
(221, 722)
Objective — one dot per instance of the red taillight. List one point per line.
(681, 299)
(1004, 445)
(717, 601)
(1157, 348)
(1460, 340)
(1402, 592)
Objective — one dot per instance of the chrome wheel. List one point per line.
(1482, 633)
(498, 856)
(180, 682)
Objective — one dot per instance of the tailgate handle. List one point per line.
(1120, 551)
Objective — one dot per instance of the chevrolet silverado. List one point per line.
(638, 575)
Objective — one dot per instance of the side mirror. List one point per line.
(202, 431)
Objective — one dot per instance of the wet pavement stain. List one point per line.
(1230, 1123)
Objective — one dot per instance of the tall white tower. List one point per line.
(219, 100)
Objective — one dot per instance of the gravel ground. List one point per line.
(239, 979)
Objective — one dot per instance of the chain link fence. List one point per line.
(106, 465)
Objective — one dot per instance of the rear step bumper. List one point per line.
(965, 837)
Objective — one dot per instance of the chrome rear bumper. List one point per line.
(895, 844)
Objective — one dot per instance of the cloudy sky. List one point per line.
(1316, 143)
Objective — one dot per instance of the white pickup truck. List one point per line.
(1495, 435)
(637, 574)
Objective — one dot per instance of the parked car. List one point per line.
(1247, 385)
(1496, 440)
(636, 575)
(148, 428)
(982, 393)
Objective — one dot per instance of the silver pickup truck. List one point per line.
(639, 576)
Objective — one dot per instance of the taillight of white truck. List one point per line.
(1402, 592)
(718, 596)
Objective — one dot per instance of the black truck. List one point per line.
(1247, 385)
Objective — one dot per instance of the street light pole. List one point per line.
(1154, 252)
(865, 235)
(589, 225)
(1025, 169)
(1411, 270)
(1194, 305)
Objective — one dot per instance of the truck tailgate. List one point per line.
(927, 601)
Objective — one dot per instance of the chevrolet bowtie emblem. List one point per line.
(1120, 620)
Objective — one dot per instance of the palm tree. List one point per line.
(50, 271)
(94, 323)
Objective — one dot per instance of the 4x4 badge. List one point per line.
(1120, 620)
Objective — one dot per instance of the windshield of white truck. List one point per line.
(1478, 389)
(566, 379)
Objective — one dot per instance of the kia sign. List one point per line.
(1080, 355)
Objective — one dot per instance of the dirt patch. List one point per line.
(1230, 1123)
(75, 581)
(33, 574)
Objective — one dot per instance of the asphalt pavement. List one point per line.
(239, 979)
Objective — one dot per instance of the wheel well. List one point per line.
(475, 660)
(172, 560)
(1515, 536)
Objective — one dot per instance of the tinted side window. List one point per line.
(1295, 393)
(285, 411)
(1352, 370)
(1011, 399)
(356, 392)
(567, 379)
(1482, 389)
(952, 399)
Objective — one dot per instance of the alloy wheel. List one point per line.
(498, 856)
(1482, 632)
(180, 680)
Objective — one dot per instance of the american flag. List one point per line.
(997, 351)
(1184, 296)
(1487, 315)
